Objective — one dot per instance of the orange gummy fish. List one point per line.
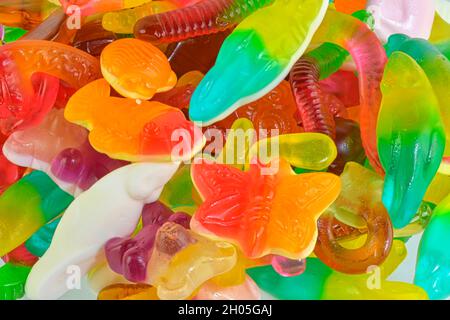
(136, 69)
(262, 213)
(132, 130)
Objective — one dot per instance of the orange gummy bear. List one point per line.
(132, 130)
(262, 213)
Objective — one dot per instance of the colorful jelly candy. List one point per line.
(129, 256)
(432, 269)
(9, 172)
(253, 217)
(23, 14)
(21, 256)
(140, 291)
(123, 21)
(145, 72)
(411, 17)
(27, 94)
(182, 260)
(251, 63)
(320, 282)
(28, 205)
(273, 114)
(124, 190)
(202, 18)
(349, 7)
(92, 38)
(60, 149)
(435, 66)
(411, 137)
(370, 58)
(90, 7)
(360, 196)
(132, 130)
(312, 151)
(245, 291)
(288, 267)
(12, 281)
(39, 242)
(198, 53)
(349, 145)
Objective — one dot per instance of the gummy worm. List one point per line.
(370, 58)
(202, 18)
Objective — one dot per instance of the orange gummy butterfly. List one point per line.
(262, 213)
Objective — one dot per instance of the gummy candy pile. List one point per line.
(219, 149)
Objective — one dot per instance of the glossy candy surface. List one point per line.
(266, 61)
(182, 260)
(124, 190)
(411, 137)
(27, 94)
(433, 268)
(26, 206)
(12, 281)
(322, 282)
(145, 72)
(202, 18)
(360, 197)
(132, 130)
(254, 217)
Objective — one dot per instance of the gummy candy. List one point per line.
(202, 18)
(370, 59)
(183, 260)
(129, 256)
(23, 14)
(92, 38)
(435, 66)
(254, 218)
(145, 72)
(197, 53)
(349, 7)
(26, 206)
(90, 7)
(12, 281)
(39, 242)
(349, 145)
(21, 256)
(245, 291)
(124, 190)
(313, 151)
(360, 196)
(411, 17)
(61, 150)
(128, 292)
(273, 114)
(411, 137)
(131, 130)
(320, 282)
(123, 21)
(432, 267)
(250, 63)
(28, 94)
(48, 29)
